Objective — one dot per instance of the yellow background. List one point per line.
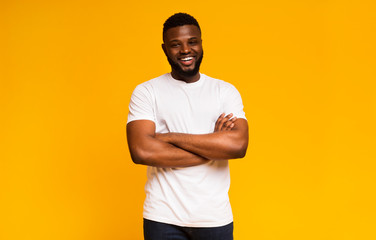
(305, 69)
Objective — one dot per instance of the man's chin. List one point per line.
(188, 73)
(184, 71)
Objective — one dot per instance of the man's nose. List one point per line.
(185, 49)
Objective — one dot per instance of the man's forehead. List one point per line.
(181, 32)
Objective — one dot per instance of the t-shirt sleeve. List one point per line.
(232, 101)
(141, 105)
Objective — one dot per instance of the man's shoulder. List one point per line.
(156, 80)
(219, 82)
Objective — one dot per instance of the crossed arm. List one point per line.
(229, 140)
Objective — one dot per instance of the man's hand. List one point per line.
(224, 123)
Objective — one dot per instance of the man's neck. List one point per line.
(192, 79)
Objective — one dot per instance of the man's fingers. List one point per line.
(220, 122)
(230, 123)
(228, 126)
(228, 117)
(223, 122)
(217, 123)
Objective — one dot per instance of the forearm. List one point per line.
(215, 146)
(156, 153)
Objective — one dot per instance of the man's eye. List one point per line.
(193, 43)
(175, 45)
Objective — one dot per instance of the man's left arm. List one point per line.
(229, 142)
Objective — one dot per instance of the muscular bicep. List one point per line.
(240, 131)
(140, 136)
(138, 129)
(241, 126)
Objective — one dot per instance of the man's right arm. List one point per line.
(147, 150)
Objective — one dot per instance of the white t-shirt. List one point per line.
(193, 196)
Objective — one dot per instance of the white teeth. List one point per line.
(187, 59)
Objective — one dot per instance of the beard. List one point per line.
(189, 73)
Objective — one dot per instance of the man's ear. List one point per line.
(164, 48)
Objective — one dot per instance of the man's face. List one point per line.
(183, 48)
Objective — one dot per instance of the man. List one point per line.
(185, 126)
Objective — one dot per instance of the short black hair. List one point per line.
(180, 19)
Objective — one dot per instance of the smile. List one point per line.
(186, 59)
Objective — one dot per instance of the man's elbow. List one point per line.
(242, 153)
(139, 157)
(137, 161)
(241, 150)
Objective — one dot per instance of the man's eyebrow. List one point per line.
(177, 40)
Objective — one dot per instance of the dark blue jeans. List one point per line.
(163, 231)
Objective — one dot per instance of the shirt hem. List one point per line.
(195, 224)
